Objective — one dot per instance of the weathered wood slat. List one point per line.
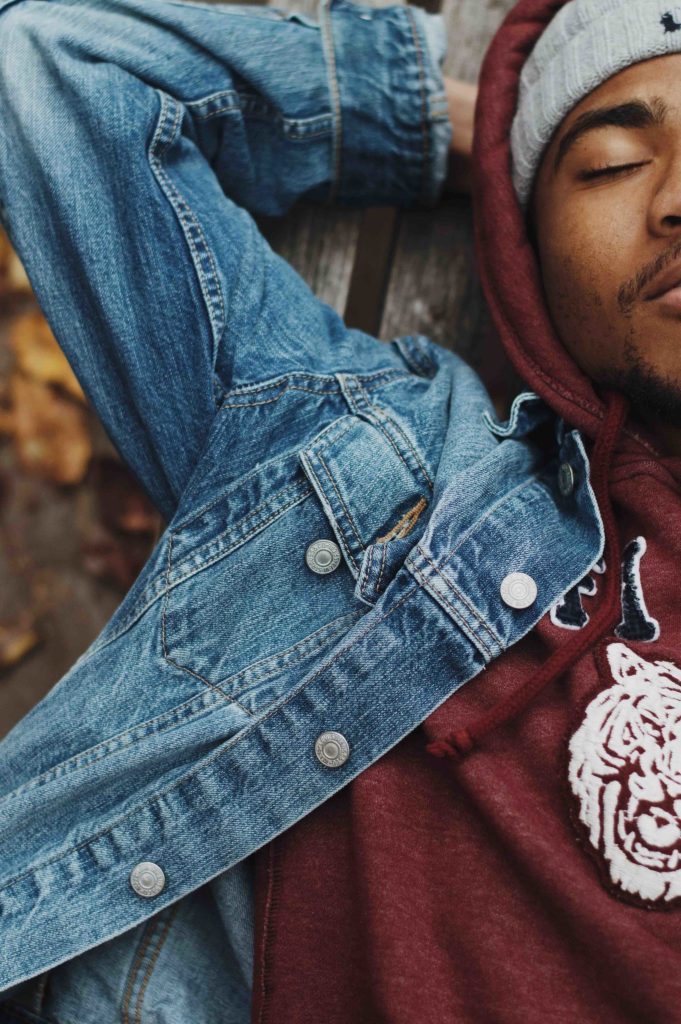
(434, 286)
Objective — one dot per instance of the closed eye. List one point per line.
(609, 169)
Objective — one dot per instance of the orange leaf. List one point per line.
(39, 355)
(50, 432)
(13, 279)
(16, 640)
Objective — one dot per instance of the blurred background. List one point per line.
(75, 526)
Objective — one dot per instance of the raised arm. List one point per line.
(136, 138)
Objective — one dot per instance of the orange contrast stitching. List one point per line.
(404, 525)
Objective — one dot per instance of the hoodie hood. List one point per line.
(512, 284)
(508, 267)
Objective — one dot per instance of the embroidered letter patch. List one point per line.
(637, 624)
(625, 772)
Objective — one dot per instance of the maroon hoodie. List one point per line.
(497, 888)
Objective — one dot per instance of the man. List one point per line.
(508, 846)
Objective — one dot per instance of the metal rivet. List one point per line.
(332, 749)
(323, 556)
(147, 878)
(566, 479)
(518, 590)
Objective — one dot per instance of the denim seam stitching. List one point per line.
(424, 101)
(380, 573)
(279, 661)
(332, 433)
(240, 484)
(465, 628)
(340, 535)
(209, 282)
(345, 508)
(382, 413)
(413, 357)
(371, 380)
(231, 546)
(212, 686)
(237, 102)
(334, 90)
(85, 758)
(140, 953)
(467, 603)
(249, 405)
(155, 590)
(404, 375)
(138, 962)
(152, 961)
(147, 599)
(365, 575)
(184, 668)
(391, 441)
(381, 419)
(291, 387)
(177, 783)
(239, 541)
(346, 384)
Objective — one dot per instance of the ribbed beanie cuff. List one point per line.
(584, 44)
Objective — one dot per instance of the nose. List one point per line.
(664, 212)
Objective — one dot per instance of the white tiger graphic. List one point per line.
(625, 771)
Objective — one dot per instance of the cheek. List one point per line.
(582, 268)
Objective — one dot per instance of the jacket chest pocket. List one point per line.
(243, 610)
(246, 607)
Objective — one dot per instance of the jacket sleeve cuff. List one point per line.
(392, 132)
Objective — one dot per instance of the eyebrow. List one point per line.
(632, 114)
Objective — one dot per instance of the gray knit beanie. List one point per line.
(584, 44)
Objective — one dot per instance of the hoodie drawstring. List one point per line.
(459, 742)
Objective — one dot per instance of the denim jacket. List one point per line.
(144, 134)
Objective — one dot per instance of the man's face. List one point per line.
(604, 241)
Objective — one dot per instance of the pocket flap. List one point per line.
(363, 482)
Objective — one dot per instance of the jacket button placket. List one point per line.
(323, 556)
(332, 749)
(518, 590)
(147, 879)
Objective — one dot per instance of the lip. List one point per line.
(665, 283)
(671, 299)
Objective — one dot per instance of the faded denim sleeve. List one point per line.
(391, 123)
(137, 140)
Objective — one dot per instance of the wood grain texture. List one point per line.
(434, 287)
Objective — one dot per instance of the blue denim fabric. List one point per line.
(137, 138)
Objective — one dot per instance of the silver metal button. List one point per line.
(566, 479)
(518, 590)
(147, 878)
(323, 556)
(332, 749)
